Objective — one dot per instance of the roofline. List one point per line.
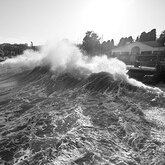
(148, 45)
(155, 46)
(140, 43)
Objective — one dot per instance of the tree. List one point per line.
(143, 37)
(112, 43)
(130, 39)
(150, 36)
(106, 46)
(124, 41)
(91, 43)
(161, 38)
(137, 39)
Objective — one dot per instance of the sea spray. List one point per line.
(65, 55)
(29, 59)
(104, 64)
(117, 68)
(61, 55)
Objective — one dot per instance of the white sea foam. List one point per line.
(66, 55)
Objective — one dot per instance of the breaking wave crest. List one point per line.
(60, 107)
(53, 81)
(65, 63)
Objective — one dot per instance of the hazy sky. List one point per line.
(41, 20)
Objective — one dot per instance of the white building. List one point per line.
(145, 52)
(150, 47)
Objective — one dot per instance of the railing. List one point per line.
(148, 60)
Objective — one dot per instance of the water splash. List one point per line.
(28, 59)
(64, 55)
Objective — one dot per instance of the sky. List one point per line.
(23, 21)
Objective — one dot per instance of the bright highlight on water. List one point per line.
(59, 107)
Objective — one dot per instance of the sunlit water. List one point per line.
(87, 114)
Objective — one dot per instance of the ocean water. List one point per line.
(58, 107)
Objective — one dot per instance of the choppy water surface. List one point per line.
(77, 119)
(65, 109)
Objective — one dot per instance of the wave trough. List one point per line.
(59, 107)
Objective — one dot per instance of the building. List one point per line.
(139, 48)
(141, 51)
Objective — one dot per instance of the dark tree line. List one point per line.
(124, 41)
(150, 36)
(92, 45)
(11, 50)
(106, 46)
(161, 38)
